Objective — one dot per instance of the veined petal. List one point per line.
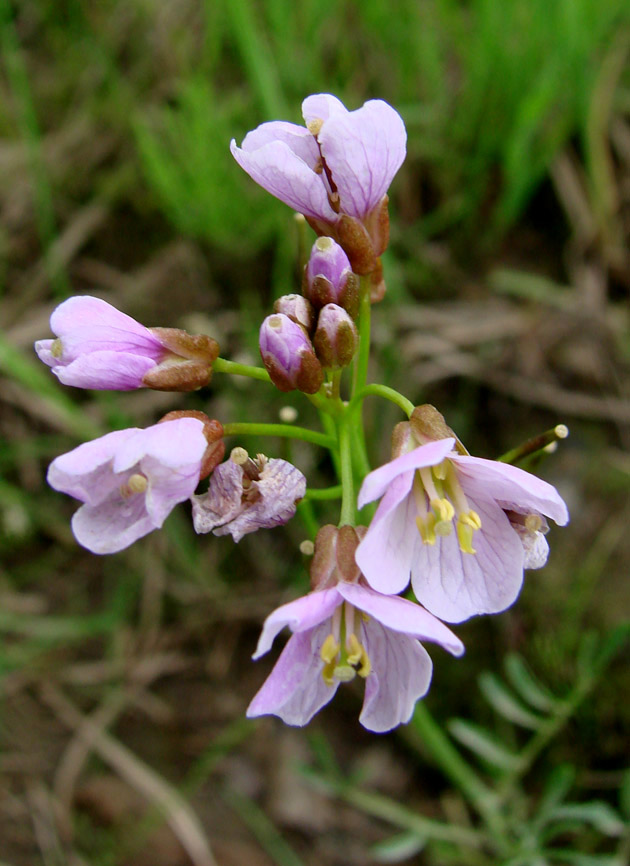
(385, 553)
(401, 674)
(303, 613)
(402, 616)
(85, 472)
(454, 585)
(113, 525)
(322, 106)
(297, 138)
(377, 482)
(295, 689)
(281, 172)
(107, 371)
(512, 486)
(363, 150)
(173, 444)
(84, 311)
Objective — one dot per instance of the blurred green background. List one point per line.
(124, 679)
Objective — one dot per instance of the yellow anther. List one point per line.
(56, 349)
(328, 674)
(314, 126)
(354, 648)
(465, 536)
(344, 673)
(440, 470)
(533, 522)
(471, 518)
(330, 649)
(426, 528)
(443, 509)
(366, 665)
(136, 484)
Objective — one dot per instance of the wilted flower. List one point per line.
(247, 494)
(288, 355)
(99, 347)
(130, 480)
(342, 631)
(448, 520)
(336, 170)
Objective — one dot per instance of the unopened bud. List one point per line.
(288, 355)
(334, 557)
(336, 339)
(298, 309)
(212, 430)
(328, 277)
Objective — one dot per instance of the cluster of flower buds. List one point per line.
(314, 332)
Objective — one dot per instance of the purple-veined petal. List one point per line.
(85, 472)
(112, 525)
(167, 486)
(402, 616)
(322, 106)
(303, 613)
(295, 689)
(455, 585)
(282, 173)
(175, 443)
(84, 311)
(85, 341)
(363, 150)
(401, 674)
(510, 485)
(377, 482)
(297, 138)
(384, 555)
(223, 501)
(104, 371)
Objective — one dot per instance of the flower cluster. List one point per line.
(459, 529)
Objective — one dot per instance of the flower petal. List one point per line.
(173, 444)
(84, 311)
(384, 555)
(510, 485)
(402, 616)
(108, 370)
(321, 106)
(295, 689)
(363, 150)
(222, 503)
(454, 585)
(377, 482)
(401, 674)
(85, 472)
(297, 138)
(284, 174)
(301, 614)
(113, 525)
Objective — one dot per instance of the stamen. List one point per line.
(330, 649)
(137, 483)
(440, 471)
(426, 528)
(314, 126)
(56, 349)
(354, 648)
(465, 536)
(443, 509)
(533, 522)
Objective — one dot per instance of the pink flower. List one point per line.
(442, 521)
(342, 631)
(336, 170)
(130, 480)
(99, 347)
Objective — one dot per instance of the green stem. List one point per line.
(381, 391)
(480, 797)
(533, 446)
(324, 492)
(288, 431)
(222, 365)
(348, 512)
(363, 356)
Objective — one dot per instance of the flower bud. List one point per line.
(212, 430)
(328, 277)
(336, 338)
(333, 560)
(288, 355)
(298, 309)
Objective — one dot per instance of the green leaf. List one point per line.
(576, 858)
(484, 744)
(504, 702)
(558, 786)
(526, 684)
(397, 848)
(597, 813)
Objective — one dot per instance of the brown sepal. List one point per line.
(194, 347)
(175, 375)
(429, 425)
(352, 235)
(311, 375)
(377, 226)
(212, 430)
(334, 557)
